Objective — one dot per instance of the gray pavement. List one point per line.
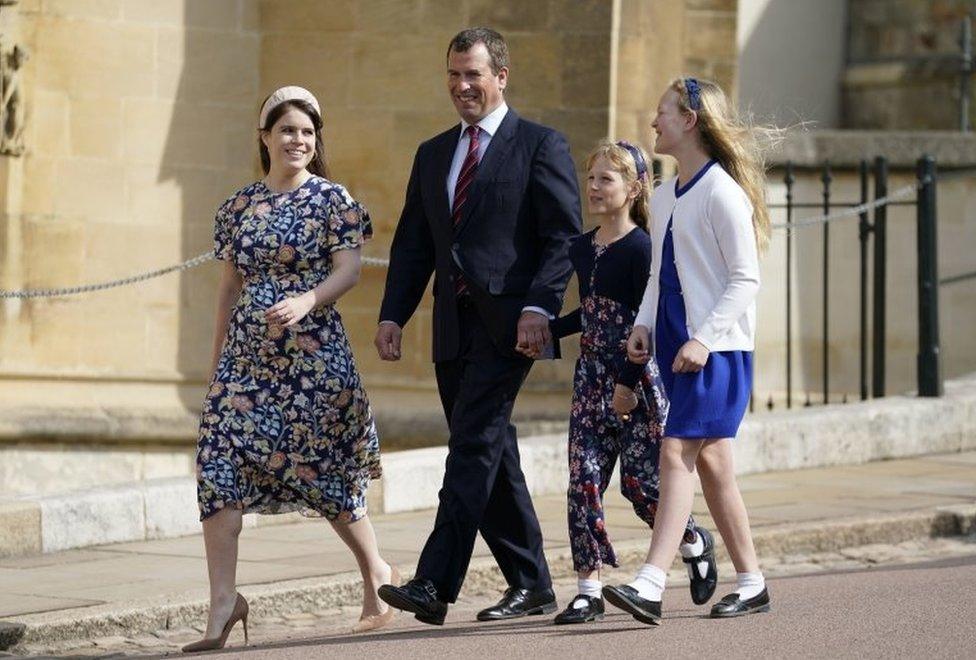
(807, 519)
(919, 610)
(838, 605)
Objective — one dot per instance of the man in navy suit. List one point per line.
(490, 209)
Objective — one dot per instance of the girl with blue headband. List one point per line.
(708, 227)
(612, 264)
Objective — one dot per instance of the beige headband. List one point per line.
(289, 93)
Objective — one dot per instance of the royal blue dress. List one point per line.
(712, 402)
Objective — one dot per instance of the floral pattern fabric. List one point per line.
(286, 424)
(597, 435)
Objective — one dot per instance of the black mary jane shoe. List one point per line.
(703, 586)
(417, 596)
(732, 605)
(520, 602)
(592, 611)
(626, 598)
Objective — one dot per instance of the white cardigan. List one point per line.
(716, 258)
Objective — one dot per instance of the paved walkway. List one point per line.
(174, 568)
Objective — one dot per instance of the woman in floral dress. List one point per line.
(286, 425)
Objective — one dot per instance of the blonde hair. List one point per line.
(623, 162)
(738, 146)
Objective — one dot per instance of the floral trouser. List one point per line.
(597, 436)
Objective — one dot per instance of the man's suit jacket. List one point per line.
(511, 244)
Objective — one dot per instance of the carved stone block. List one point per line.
(12, 111)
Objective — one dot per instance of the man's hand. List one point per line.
(639, 345)
(691, 357)
(533, 334)
(388, 336)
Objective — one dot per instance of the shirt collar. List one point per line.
(490, 122)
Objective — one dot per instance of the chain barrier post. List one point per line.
(789, 179)
(965, 70)
(826, 178)
(929, 357)
(880, 274)
(863, 236)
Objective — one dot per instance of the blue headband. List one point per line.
(694, 94)
(638, 158)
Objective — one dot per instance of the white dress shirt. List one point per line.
(488, 127)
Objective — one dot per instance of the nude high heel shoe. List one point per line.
(377, 621)
(239, 613)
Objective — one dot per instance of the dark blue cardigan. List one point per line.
(622, 276)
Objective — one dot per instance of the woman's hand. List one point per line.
(624, 400)
(639, 345)
(691, 357)
(290, 310)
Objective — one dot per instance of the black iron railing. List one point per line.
(872, 288)
(871, 211)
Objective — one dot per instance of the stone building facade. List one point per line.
(124, 123)
(139, 119)
(899, 53)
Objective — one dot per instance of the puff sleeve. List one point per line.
(349, 222)
(223, 241)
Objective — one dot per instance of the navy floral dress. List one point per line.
(611, 282)
(286, 424)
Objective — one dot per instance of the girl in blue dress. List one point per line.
(612, 264)
(286, 424)
(708, 226)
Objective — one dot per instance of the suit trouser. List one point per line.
(484, 488)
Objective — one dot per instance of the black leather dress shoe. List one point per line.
(592, 611)
(417, 596)
(703, 586)
(520, 602)
(732, 605)
(626, 598)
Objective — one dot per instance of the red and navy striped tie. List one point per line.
(468, 170)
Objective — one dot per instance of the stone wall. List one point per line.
(378, 68)
(885, 82)
(777, 41)
(141, 121)
(660, 41)
(894, 427)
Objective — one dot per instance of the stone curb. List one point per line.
(320, 593)
(851, 434)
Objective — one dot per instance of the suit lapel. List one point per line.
(436, 175)
(498, 149)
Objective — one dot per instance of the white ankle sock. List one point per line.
(693, 550)
(649, 582)
(750, 585)
(592, 588)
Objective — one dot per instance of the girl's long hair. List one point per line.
(317, 165)
(738, 146)
(623, 162)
